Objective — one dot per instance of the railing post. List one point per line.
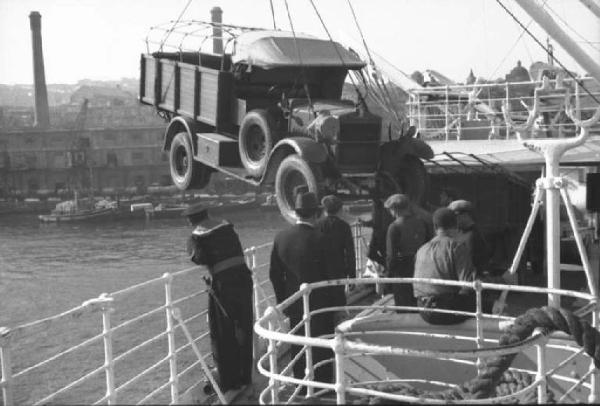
(174, 379)
(507, 103)
(273, 383)
(541, 372)
(252, 252)
(308, 371)
(478, 318)
(6, 367)
(340, 378)
(106, 306)
(594, 397)
(447, 115)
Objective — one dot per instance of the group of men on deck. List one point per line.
(320, 248)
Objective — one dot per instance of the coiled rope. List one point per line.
(495, 380)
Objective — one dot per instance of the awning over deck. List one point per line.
(507, 153)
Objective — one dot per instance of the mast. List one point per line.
(594, 8)
(541, 17)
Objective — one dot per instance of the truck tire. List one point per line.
(186, 173)
(255, 141)
(294, 172)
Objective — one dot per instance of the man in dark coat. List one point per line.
(339, 235)
(470, 234)
(404, 237)
(215, 244)
(300, 255)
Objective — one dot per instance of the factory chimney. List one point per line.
(216, 17)
(42, 112)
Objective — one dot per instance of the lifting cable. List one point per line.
(168, 33)
(578, 81)
(514, 45)
(302, 70)
(335, 47)
(584, 40)
(273, 14)
(380, 84)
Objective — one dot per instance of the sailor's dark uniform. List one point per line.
(230, 310)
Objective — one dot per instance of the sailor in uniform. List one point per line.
(215, 244)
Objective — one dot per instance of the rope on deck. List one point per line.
(495, 380)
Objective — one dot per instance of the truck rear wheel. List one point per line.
(255, 141)
(294, 172)
(186, 173)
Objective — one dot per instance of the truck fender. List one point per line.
(307, 148)
(177, 125)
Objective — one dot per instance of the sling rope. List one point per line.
(302, 68)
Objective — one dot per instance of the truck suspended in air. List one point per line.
(266, 107)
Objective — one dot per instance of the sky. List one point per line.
(103, 39)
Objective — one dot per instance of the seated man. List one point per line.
(470, 234)
(444, 258)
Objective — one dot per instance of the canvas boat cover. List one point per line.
(274, 49)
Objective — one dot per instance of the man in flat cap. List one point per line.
(300, 255)
(339, 235)
(407, 233)
(470, 234)
(215, 244)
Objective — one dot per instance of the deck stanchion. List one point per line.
(174, 380)
(340, 379)
(105, 302)
(273, 383)
(594, 397)
(478, 319)
(507, 101)
(541, 372)
(6, 367)
(252, 266)
(309, 370)
(447, 116)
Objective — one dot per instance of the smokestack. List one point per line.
(42, 112)
(216, 16)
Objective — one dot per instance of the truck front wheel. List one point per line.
(293, 175)
(255, 141)
(186, 173)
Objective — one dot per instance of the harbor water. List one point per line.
(47, 269)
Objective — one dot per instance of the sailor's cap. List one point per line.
(196, 213)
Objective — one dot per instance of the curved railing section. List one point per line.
(345, 347)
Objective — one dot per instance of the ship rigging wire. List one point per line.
(302, 70)
(389, 103)
(577, 80)
(337, 51)
(570, 27)
(273, 14)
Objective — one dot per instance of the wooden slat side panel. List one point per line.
(149, 77)
(187, 88)
(168, 84)
(209, 85)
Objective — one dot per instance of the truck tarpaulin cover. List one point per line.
(274, 49)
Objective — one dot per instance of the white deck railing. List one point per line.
(345, 348)
(475, 111)
(137, 326)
